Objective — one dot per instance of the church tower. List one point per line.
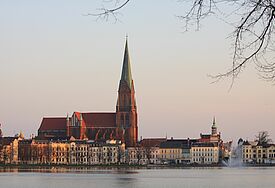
(126, 110)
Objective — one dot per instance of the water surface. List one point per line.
(139, 178)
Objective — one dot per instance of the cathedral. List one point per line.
(97, 126)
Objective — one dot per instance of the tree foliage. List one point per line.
(253, 32)
(263, 138)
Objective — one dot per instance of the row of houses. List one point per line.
(176, 151)
(207, 149)
(15, 150)
(256, 153)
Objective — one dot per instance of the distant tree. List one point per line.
(253, 35)
(263, 138)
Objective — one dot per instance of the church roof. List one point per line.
(53, 123)
(126, 74)
(99, 119)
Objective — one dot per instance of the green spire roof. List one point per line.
(126, 74)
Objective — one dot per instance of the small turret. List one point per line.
(21, 135)
(214, 127)
(1, 133)
(68, 125)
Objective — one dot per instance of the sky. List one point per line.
(54, 61)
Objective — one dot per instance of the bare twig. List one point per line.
(105, 13)
(253, 36)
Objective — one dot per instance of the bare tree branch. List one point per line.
(253, 36)
(105, 13)
(263, 138)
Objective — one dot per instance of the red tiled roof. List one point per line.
(152, 142)
(99, 119)
(53, 124)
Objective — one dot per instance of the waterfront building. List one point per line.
(24, 151)
(40, 152)
(78, 152)
(151, 147)
(9, 150)
(152, 154)
(214, 136)
(248, 152)
(176, 151)
(186, 150)
(136, 156)
(120, 125)
(270, 153)
(170, 151)
(110, 154)
(95, 154)
(205, 153)
(70, 152)
(256, 153)
(59, 152)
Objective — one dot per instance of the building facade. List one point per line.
(70, 152)
(255, 153)
(9, 150)
(119, 125)
(204, 153)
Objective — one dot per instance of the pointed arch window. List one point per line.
(122, 119)
(127, 119)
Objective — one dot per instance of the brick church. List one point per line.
(119, 125)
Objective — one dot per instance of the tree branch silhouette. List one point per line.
(253, 35)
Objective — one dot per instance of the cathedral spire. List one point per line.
(126, 109)
(126, 74)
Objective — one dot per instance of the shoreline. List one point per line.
(124, 166)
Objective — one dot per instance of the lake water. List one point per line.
(139, 178)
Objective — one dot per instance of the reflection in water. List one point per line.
(89, 170)
(62, 177)
(125, 182)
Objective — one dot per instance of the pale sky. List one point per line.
(54, 61)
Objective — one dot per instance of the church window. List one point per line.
(122, 119)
